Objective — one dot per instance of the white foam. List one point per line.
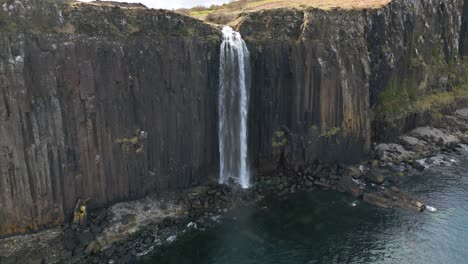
(233, 108)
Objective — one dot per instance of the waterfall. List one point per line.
(234, 82)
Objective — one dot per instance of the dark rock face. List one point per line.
(402, 45)
(464, 30)
(113, 103)
(89, 118)
(310, 87)
(414, 52)
(317, 75)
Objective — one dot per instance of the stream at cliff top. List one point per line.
(325, 227)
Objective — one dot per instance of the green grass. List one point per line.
(235, 8)
(401, 97)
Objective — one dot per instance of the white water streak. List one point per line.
(234, 77)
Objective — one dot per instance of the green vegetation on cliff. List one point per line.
(402, 97)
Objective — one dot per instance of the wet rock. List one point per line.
(354, 171)
(11, 260)
(101, 216)
(78, 252)
(96, 229)
(376, 176)
(410, 205)
(92, 247)
(462, 113)
(149, 240)
(322, 184)
(171, 239)
(412, 143)
(348, 185)
(128, 258)
(378, 199)
(66, 255)
(430, 134)
(70, 241)
(394, 177)
(394, 153)
(374, 163)
(464, 138)
(418, 165)
(309, 183)
(85, 237)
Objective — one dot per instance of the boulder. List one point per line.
(375, 176)
(85, 237)
(378, 199)
(348, 185)
(92, 248)
(418, 166)
(322, 184)
(394, 153)
(70, 241)
(462, 113)
(412, 143)
(464, 138)
(430, 134)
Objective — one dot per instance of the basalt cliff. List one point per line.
(112, 102)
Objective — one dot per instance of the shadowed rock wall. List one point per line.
(114, 103)
(310, 89)
(83, 117)
(320, 78)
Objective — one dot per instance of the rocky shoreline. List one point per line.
(127, 231)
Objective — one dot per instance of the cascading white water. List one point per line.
(234, 82)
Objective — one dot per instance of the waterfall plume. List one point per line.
(234, 86)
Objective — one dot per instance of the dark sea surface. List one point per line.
(328, 227)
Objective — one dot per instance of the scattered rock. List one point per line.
(374, 163)
(429, 134)
(85, 237)
(322, 184)
(412, 143)
(347, 184)
(394, 153)
(375, 176)
(378, 200)
(92, 247)
(418, 166)
(149, 240)
(171, 239)
(70, 241)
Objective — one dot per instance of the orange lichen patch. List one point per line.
(241, 6)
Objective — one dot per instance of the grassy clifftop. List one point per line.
(98, 19)
(228, 13)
